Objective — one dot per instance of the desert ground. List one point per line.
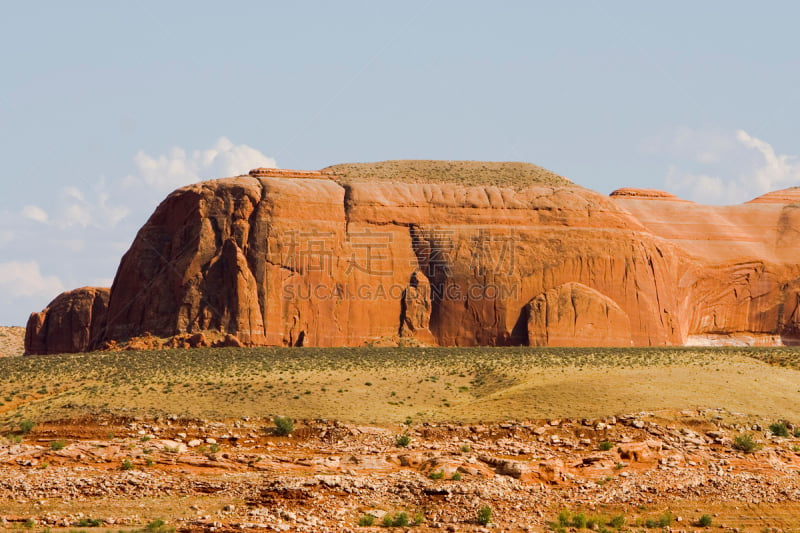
(417, 439)
(12, 341)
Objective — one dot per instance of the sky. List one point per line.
(106, 107)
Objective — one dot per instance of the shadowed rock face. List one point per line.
(332, 260)
(73, 322)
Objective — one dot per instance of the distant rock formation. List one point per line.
(354, 255)
(73, 322)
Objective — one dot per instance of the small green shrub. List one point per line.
(158, 526)
(284, 425)
(57, 445)
(778, 429)
(745, 443)
(796, 433)
(484, 515)
(594, 522)
(419, 518)
(401, 520)
(617, 521)
(456, 476)
(403, 441)
(126, 464)
(26, 426)
(465, 448)
(214, 448)
(388, 520)
(89, 522)
(704, 521)
(606, 445)
(564, 518)
(437, 475)
(366, 520)
(579, 521)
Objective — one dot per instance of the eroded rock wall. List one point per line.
(318, 261)
(280, 261)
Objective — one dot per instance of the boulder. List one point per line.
(228, 341)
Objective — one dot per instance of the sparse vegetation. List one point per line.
(366, 520)
(157, 526)
(89, 522)
(284, 425)
(127, 464)
(401, 520)
(746, 443)
(578, 520)
(617, 521)
(482, 173)
(606, 445)
(402, 441)
(56, 445)
(705, 521)
(779, 429)
(484, 515)
(229, 382)
(26, 426)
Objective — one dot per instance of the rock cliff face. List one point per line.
(742, 285)
(576, 315)
(355, 254)
(73, 322)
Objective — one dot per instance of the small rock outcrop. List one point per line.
(576, 315)
(73, 322)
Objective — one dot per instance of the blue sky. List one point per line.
(107, 106)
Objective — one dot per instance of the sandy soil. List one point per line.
(12, 341)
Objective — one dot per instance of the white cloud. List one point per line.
(777, 171)
(25, 279)
(93, 209)
(726, 168)
(178, 168)
(75, 215)
(35, 213)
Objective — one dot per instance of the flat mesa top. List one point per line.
(467, 173)
(288, 173)
(511, 174)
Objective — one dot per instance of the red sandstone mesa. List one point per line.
(355, 254)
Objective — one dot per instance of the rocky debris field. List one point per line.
(240, 475)
(12, 341)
